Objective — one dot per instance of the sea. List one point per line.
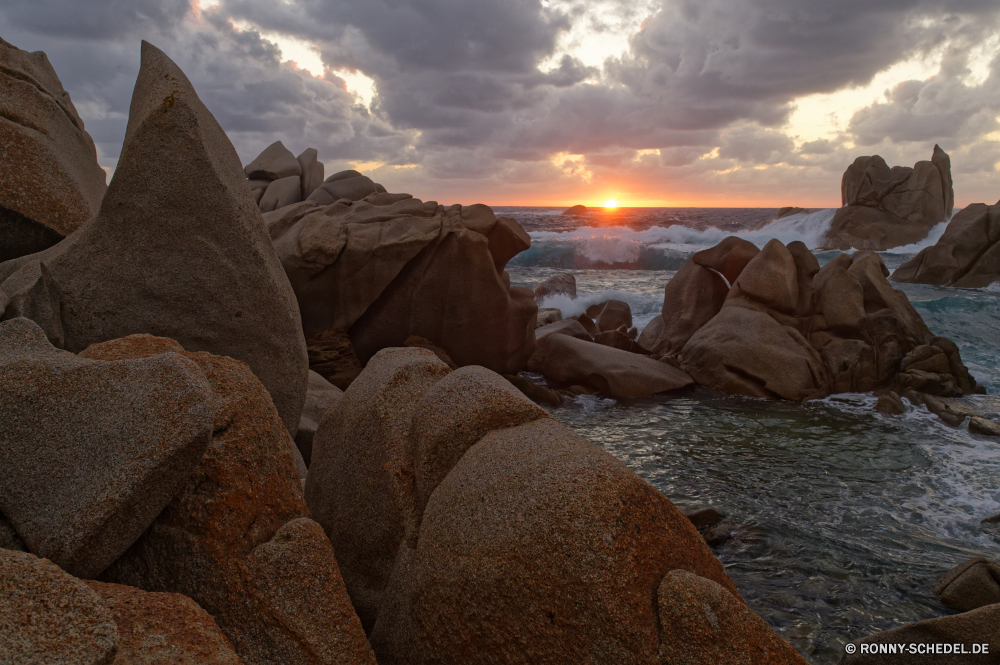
(842, 518)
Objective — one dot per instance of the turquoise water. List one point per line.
(842, 517)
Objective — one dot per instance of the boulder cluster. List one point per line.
(179, 487)
(890, 207)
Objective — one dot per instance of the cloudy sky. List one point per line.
(556, 102)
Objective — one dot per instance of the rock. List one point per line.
(547, 315)
(48, 616)
(942, 634)
(177, 220)
(570, 327)
(792, 210)
(690, 299)
(704, 517)
(163, 628)
(236, 539)
(614, 314)
(281, 193)
(588, 324)
(320, 398)
(704, 624)
(331, 355)
(886, 208)
(728, 258)
(533, 391)
(616, 339)
(364, 511)
(93, 451)
(312, 171)
(560, 285)
(942, 410)
(275, 163)
(353, 187)
(9, 540)
(420, 342)
(506, 240)
(575, 210)
(969, 585)
(621, 374)
(992, 519)
(890, 404)
(537, 547)
(967, 255)
(978, 425)
(50, 182)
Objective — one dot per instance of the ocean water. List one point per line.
(842, 518)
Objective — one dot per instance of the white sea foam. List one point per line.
(643, 307)
(932, 237)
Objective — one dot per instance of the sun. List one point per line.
(611, 203)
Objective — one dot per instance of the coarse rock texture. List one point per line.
(48, 616)
(312, 171)
(161, 628)
(360, 486)
(886, 208)
(612, 315)
(967, 255)
(969, 585)
(420, 342)
(537, 547)
(345, 185)
(569, 327)
(621, 374)
(236, 539)
(320, 398)
(547, 315)
(50, 182)
(275, 163)
(178, 249)
(704, 624)
(331, 355)
(560, 285)
(788, 330)
(93, 451)
(390, 266)
(979, 626)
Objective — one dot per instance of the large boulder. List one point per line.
(349, 185)
(93, 451)
(178, 249)
(156, 628)
(621, 374)
(570, 327)
(390, 266)
(560, 285)
(50, 182)
(889, 207)
(969, 585)
(48, 616)
(321, 397)
(236, 539)
(967, 255)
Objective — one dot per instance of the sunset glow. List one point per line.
(611, 203)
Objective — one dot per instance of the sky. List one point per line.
(716, 103)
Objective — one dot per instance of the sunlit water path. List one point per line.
(844, 517)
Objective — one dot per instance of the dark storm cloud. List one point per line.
(107, 19)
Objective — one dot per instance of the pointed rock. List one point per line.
(274, 163)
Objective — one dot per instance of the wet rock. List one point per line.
(971, 584)
(621, 374)
(158, 628)
(942, 410)
(967, 255)
(886, 208)
(235, 539)
(704, 624)
(177, 220)
(331, 355)
(992, 519)
(978, 425)
(560, 285)
(320, 398)
(50, 181)
(588, 324)
(537, 547)
(47, 616)
(704, 517)
(547, 315)
(93, 451)
(720, 534)
(890, 404)
(533, 391)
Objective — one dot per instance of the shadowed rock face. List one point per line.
(889, 207)
(178, 249)
(50, 182)
(967, 255)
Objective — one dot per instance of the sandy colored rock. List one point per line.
(364, 512)
(312, 171)
(560, 285)
(280, 193)
(178, 220)
(353, 188)
(690, 299)
(570, 327)
(274, 163)
(50, 182)
(221, 540)
(93, 451)
(50, 617)
(320, 398)
(621, 374)
(161, 628)
(613, 315)
(537, 547)
(984, 426)
(729, 257)
(704, 624)
(770, 278)
(547, 315)
(506, 240)
(971, 584)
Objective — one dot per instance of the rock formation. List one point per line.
(889, 207)
(390, 266)
(561, 285)
(178, 249)
(970, 585)
(578, 209)
(50, 182)
(967, 255)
